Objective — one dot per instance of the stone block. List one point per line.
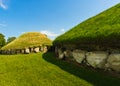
(97, 59)
(79, 55)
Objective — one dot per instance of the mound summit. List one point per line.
(102, 29)
(30, 39)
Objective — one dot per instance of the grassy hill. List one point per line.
(29, 39)
(45, 70)
(102, 29)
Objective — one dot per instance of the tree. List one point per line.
(2, 40)
(10, 39)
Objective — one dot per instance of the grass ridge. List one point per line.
(103, 28)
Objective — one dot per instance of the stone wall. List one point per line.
(106, 60)
(25, 50)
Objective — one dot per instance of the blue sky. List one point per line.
(52, 17)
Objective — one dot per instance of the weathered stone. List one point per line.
(97, 59)
(36, 50)
(31, 49)
(56, 50)
(45, 49)
(8, 52)
(27, 51)
(60, 54)
(18, 51)
(42, 48)
(79, 55)
(22, 51)
(39, 48)
(2, 52)
(114, 62)
(12, 52)
(68, 53)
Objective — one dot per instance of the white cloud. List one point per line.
(49, 33)
(63, 30)
(23, 32)
(2, 5)
(3, 25)
(52, 34)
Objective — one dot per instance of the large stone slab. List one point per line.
(18, 51)
(68, 54)
(27, 51)
(114, 62)
(36, 50)
(97, 59)
(42, 49)
(45, 49)
(22, 51)
(60, 54)
(79, 55)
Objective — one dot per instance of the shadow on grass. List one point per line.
(95, 78)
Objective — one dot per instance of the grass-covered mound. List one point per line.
(102, 29)
(30, 39)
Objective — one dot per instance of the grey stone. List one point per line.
(22, 51)
(79, 55)
(114, 62)
(68, 53)
(60, 54)
(97, 59)
(27, 51)
(36, 50)
(45, 49)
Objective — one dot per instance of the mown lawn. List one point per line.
(45, 70)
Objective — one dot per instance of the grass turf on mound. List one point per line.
(103, 28)
(29, 39)
(45, 70)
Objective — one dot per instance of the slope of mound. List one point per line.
(30, 39)
(103, 28)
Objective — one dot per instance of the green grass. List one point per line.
(102, 29)
(45, 70)
(30, 39)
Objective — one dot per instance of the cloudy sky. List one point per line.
(52, 17)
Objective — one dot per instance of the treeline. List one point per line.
(3, 40)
